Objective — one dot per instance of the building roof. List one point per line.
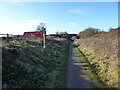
(32, 32)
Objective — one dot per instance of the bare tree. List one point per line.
(42, 27)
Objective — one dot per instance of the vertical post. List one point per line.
(7, 35)
(44, 46)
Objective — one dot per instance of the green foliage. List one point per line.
(26, 64)
(96, 68)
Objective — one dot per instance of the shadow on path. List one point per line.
(77, 77)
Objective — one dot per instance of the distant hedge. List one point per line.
(88, 32)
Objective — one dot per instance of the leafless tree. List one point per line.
(42, 28)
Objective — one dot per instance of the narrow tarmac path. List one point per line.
(77, 77)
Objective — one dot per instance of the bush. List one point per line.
(88, 32)
(73, 38)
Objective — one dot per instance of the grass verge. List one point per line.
(59, 75)
(96, 67)
(61, 81)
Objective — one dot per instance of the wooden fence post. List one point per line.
(44, 37)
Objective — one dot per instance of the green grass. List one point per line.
(59, 75)
(62, 78)
(87, 66)
(27, 65)
(96, 72)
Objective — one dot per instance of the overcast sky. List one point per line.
(73, 17)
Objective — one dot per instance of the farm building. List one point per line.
(35, 34)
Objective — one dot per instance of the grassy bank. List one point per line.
(27, 65)
(97, 68)
(59, 75)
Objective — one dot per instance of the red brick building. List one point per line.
(36, 34)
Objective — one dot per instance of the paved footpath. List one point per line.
(77, 77)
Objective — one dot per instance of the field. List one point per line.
(25, 64)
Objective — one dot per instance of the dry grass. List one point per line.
(104, 45)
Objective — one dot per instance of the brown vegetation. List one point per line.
(104, 45)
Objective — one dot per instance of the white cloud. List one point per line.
(20, 28)
(72, 23)
(12, 28)
(34, 22)
(77, 10)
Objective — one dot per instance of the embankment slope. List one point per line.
(104, 45)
